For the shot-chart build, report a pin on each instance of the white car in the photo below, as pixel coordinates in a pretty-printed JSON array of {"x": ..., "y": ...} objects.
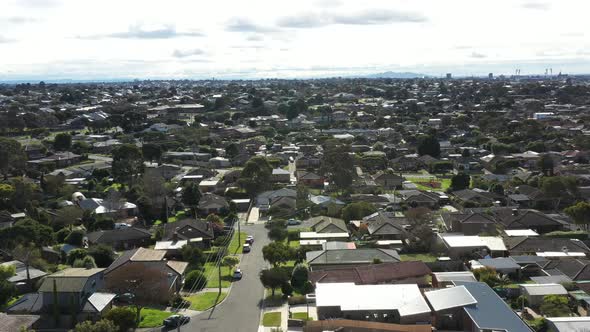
[
  {"x": 310, "y": 298},
  {"x": 121, "y": 225},
  {"x": 237, "y": 274},
  {"x": 250, "y": 239},
  {"x": 246, "y": 248}
]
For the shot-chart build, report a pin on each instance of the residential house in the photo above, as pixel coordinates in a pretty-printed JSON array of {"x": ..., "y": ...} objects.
[
  {"x": 392, "y": 303},
  {"x": 115, "y": 209},
  {"x": 280, "y": 175},
  {"x": 576, "y": 269},
  {"x": 388, "y": 180},
  {"x": 211, "y": 203},
  {"x": 23, "y": 275},
  {"x": 189, "y": 229},
  {"x": 384, "y": 225},
  {"x": 420, "y": 198},
  {"x": 325, "y": 259},
  {"x": 310, "y": 179},
  {"x": 534, "y": 293},
  {"x": 469, "y": 223},
  {"x": 535, "y": 198},
  {"x": 324, "y": 224},
  {"x": 308, "y": 162},
  {"x": 527, "y": 219},
  {"x": 567, "y": 324},
  {"x": 155, "y": 279},
  {"x": 121, "y": 239},
  {"x": 459, "y": 245},
  {"x": 546, "y": 247},
  {"x": 265, "y": 200},
  {"x": 385, "y": 273}
]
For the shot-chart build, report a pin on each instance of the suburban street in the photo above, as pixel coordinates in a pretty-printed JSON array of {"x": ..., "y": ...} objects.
[{"x": 241, "y": 309}]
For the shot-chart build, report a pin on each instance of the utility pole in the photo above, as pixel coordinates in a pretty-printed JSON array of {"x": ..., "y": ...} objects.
[
  {"x": 219, "y": 270},
  {"x": 239, "y": 233}
]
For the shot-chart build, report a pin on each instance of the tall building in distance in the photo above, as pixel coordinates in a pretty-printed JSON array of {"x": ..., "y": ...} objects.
[
  {"x": 449, "y": 76},
  {"x": 491, "y": 76}
]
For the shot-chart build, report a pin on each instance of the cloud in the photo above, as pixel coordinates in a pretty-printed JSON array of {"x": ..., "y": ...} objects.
[
  {"x": 187, "y": 53},
  {"x": 139, "y": 31},
  {"x": 477, "y": 55},
  {"x": 241, "y": 24},
  {"x": 255, "y": 38},
  {"x": 6, "y": 40},
  {"x": 367, "y": 17},
  {"x": 536, "y": 5},
  {"x": 39, "y": 3},
  {"x": 18, "y": 19}
]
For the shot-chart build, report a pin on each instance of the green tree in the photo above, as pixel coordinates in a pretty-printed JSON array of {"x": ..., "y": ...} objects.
[
  {"x": 487, "y": 275},
  {"x": 12, "y": 156},
  {"x": 300, "y": 275},
  {"x": 151, "y": 151},
  {"x": 546, "y": 164},
  {"x": 191, "y": 196},
  {"x": 125, "y": 318},
  {"x": 276, "y": 253},
  {"x": 580, "y": 213},
  {"x": 76, "y": 254},
  {"x": 7, "y": 289},
  {"x": 127, "y": 163},
  {"x": 555, "y": 306},
  {"x": 338, "y": 164},
  {"x": 357, "y": 210},
  {"x": 103, "y": 255},
  {"x": 230, "y": 261},
  {"x": 75, "y": 238},
  {"x": 195, "y": 281},
  {"x": 232, "y": 150},
  {"x": 273, "y": 278},
  {"x": 62, "y": 142},
  {"x": 193, "y": 255},
  {"x": 255, "y": 176},
  {"x": 103, "y": 325},
  {"x": 428, "y": 145},
  {"x": 460, "y": 181}
]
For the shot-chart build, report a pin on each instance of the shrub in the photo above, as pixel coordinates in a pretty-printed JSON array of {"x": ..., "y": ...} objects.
[
  {"x": 293, "y": 234},
  {"x": 297, "y": 299},
  {"x": 75, "y": 254},
  {"x": 300, "y": 275},
  {"x": 75, "y": 237},
  {"x": 195, "y": 281},
  {"x": 287, "y": 289},
  {"x": 123, "y": 317}
]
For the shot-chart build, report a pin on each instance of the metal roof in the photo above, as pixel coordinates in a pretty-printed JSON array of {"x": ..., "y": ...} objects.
[{"x": 448, "y": 298}]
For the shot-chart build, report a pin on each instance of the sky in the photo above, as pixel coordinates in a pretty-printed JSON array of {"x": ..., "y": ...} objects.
[{"x": 198, "y": 39}]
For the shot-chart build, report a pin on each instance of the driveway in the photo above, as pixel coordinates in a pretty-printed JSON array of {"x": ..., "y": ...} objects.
[{"x": 240, "y": 312}]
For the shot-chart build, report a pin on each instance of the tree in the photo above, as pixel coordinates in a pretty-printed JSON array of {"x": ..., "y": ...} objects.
[
  {"x": 277, "y": 233},
  {"x": 28, "y": 255},
  {"x": 255, "y": 176},
  {"x": 487, "y": 275},
  {"x": 546, "y": 164},
  {"x": 7, "y": 289},
  {"x": 127, "y": 163},
  {"x": 195, "y": 281},
  {"x": 230, "y": 261},
  {"x": 75, "y": 238},
  {"x": 460, "y": 181},
  {"x": 300, "y": 275},
  {"x": 193, "y": 255},
  {"x": 76, "y": 254},
  {"x": 103, "y": 325},
  {"x": 232, "y": 150},
  {"x": 357, "y": 210},
  {"x": 555, "y": 306},
  {"x": 124, "y": 317},
  {"x": 87, "y": 263},
  {"x": 273, "y": 279},
  {"x": 428, "y": 145},
  {"x": 191, "y": 196},
  {"x": 276, "y": 253},
  {"x": 62, "y": 142},
  {"x": 580, "y": 213},
  {"x": 12, "y": 156},
  {"x": 26, "y": 231},
  {"x": 338, "y": 164},
  {"x": 155, "y": 192},
  {"x": 151, "y": 151},
  {"x": 103, "y": 255}
]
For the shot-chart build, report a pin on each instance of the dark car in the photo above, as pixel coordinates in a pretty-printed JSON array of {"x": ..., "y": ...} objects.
[
  {"x": 176, "y": 320},
  {"x": 124, "y": 298}
]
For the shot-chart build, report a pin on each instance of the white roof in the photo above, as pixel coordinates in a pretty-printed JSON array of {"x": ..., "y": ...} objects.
[
  {"x": 209, "y": 183},
  {"x": 560, "y": 254},
  {"x": 100, "y": 300},
  {"x": 520, "y": 232},
  {"x": 448, "y": 298},
  {"x": 388, "y": 242},
  {"x": 314, "y": 235},
  {"x": 311, "y": 242},
  {"x": 405, "y": 298},
  {"x": 563, "y": 324},
  {"x": 494, "y": 243},
  {"x": 454, "y": 276},
  {"x": 462, "y": 241},
  {"x": 544, "y": 289},
  {"x": 170, "y": 245}
]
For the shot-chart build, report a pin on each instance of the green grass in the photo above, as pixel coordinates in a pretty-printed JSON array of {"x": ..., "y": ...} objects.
[
  {"x": 445, "y": 183},
  {"x": 418, "y": 257},
  {"x": 301, "y": 315},
  {"x": 294, "y": 244},
  {"x": 152, "y": 317},
  {"x": 206, "y": 300},
  {"x": 271, "y": 319},
  {"x": 235, "y": 246},
  {"x": 213, "y": 276}
]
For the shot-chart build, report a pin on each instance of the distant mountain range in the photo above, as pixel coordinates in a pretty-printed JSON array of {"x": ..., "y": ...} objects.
[{"x": 392, "y": 74}]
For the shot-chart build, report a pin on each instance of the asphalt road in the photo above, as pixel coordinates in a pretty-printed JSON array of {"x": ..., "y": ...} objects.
[{"x": 240, "y": 312}]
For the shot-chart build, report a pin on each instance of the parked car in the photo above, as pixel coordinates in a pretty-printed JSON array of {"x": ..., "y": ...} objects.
[
  {"x": 237, "y": 274},
  {"x": 124, "y": 298},
  {"x": 246, "y": 248},
  {"x": 292, "y": 222},
  {"x": 121, "y": 225},
  {"x": 250, "y": 239},
  {"x": 176, "y": 320}
]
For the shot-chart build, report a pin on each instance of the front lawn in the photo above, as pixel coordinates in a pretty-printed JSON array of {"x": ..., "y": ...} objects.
[
  {"x": 271, "y": 319},
  {"x": 418, "y": 257},
  {"x": 235, "y": 246},
  {"x": 213, "y": 275},
  {"x": 206, "y": 300},
  {"x": 152, "y": 317},
  {"x": 301, "y": 315}
]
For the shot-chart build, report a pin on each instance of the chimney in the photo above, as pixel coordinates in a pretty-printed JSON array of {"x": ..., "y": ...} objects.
[
  {"x": 175, "y": 236},
  {"x": 514, "y": 212},
  {"x": 207, "y": 229}
]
